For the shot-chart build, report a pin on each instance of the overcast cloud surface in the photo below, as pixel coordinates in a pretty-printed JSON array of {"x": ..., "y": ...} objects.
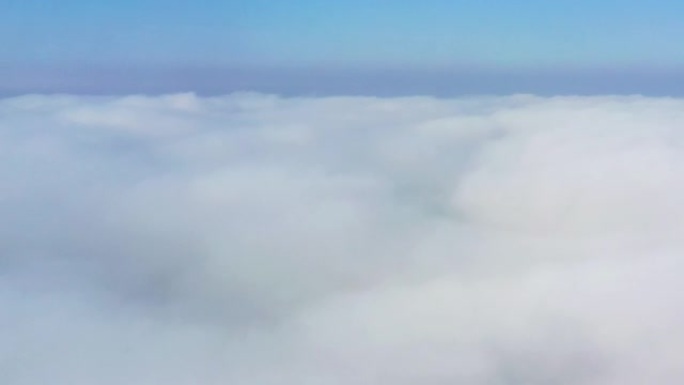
[{"x": 258, "y": 240}]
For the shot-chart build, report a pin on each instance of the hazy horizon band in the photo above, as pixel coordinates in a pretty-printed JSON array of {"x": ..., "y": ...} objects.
[{"x": 320, "y": 81}]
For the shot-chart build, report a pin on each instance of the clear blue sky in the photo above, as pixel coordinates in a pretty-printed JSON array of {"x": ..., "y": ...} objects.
[{"x": 417, "y": 34}]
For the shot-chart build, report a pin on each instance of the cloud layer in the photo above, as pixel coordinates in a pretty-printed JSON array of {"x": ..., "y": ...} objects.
[{"x": 256, "y": 240}]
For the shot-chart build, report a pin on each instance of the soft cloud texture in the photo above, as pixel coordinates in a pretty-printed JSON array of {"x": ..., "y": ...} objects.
[{"x": 258, "y": 240}]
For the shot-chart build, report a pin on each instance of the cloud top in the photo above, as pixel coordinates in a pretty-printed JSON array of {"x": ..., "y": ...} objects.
[{"x": 255, "y": 240}]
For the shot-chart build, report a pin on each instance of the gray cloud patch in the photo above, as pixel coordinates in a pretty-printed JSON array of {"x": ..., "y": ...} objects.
[{"x": 257, "y": 240}]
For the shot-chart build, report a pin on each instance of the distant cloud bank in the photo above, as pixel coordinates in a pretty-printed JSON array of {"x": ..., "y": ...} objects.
[{"x": 251, "y": 239}]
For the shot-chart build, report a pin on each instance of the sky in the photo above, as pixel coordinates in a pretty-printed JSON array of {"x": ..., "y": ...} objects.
[
  {"x": 352, "y": 192},
  {"x": 341, "y": 193},
  {"x": 337, "y": 40}
]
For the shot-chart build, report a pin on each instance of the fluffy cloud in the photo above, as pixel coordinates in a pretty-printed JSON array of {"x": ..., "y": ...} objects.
[{"x": 258, "y": 240}]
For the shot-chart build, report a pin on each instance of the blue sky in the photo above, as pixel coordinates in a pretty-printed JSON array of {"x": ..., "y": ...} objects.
[{"x": 349, "y": 34}]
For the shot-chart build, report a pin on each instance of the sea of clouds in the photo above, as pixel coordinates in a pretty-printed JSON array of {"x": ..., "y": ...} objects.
[{"x": 251, "y": 239}]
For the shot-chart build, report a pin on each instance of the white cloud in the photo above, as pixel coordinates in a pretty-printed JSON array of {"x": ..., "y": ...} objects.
[{"x": 257, "y": 240}]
